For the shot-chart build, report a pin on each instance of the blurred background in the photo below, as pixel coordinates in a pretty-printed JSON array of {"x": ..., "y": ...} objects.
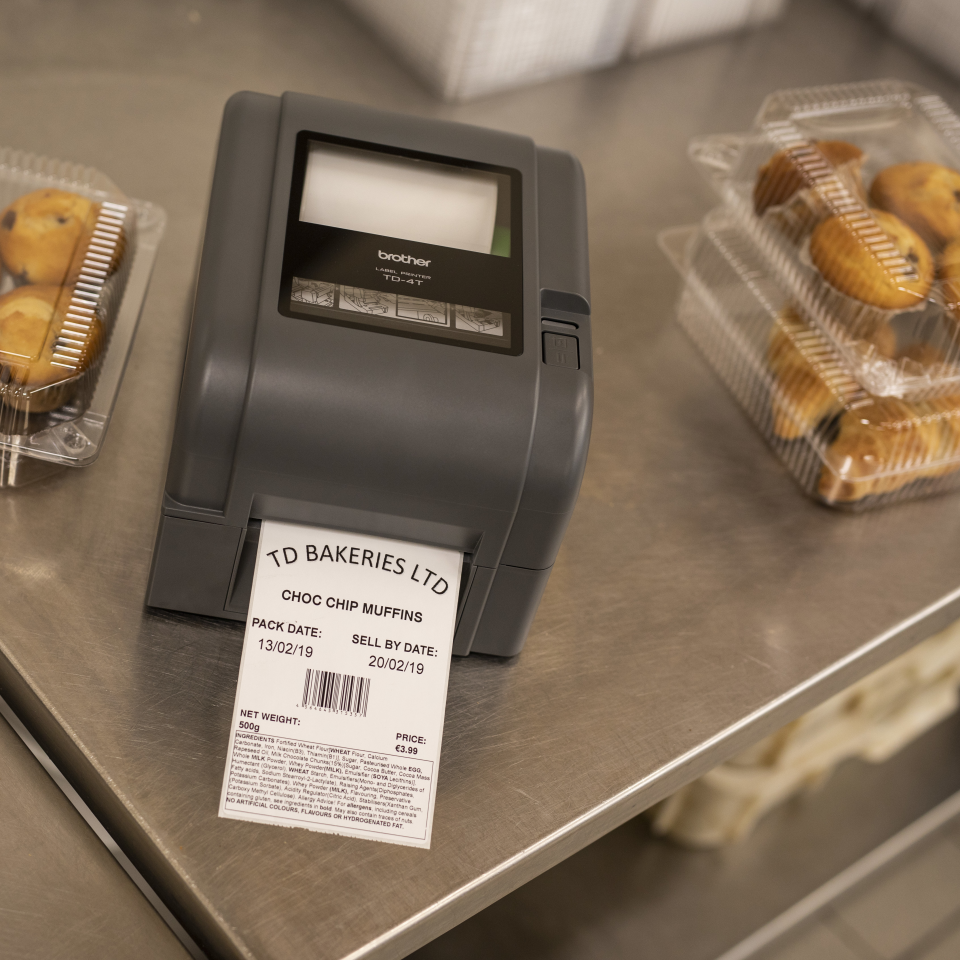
[{"x": 462, "y": 50}]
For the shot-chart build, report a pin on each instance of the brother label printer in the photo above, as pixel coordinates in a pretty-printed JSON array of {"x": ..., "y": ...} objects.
[{"x": 391, "y": 335}]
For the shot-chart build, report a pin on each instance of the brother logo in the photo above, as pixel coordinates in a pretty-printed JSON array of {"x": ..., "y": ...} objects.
[{"x": 403, "y": 258}]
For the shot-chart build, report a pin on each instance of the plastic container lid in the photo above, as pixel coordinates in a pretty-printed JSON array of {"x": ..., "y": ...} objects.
[
  {"x": 846, "y": 447},
  {"x": 76, "y": 258},
  {"x": 852, "y": 195}
]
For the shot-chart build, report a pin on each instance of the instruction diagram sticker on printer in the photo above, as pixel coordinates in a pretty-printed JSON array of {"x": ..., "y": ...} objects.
[
  {"x": 476, "y": 320},
  {"x": 315, "y": 292},
  {"x": 368, "y": 301},
  {"x": 424, "y": 311},
  {"x": 343, "y": 684}
]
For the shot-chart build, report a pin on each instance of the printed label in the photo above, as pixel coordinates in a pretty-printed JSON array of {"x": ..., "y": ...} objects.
[{"x": 343, "y": 684}]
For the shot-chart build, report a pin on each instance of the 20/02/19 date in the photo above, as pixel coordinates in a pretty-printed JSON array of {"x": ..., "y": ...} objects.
[
  {"x": 285, "y": 647},
  {"x": 392, "y": 663}
]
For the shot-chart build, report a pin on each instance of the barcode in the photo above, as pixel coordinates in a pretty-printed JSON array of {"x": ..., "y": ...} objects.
[{"x": 337, "y": 692}]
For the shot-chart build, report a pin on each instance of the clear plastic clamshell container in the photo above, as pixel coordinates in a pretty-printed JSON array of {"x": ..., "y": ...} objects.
[
  {"x": 852, "y": 196},
  {"x": 75, "y": 261},
  {"x": 845, "y": 446}
]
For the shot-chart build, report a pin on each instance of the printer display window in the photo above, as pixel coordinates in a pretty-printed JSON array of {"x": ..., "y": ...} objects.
[
  {"x": 446, "y": 204},
  {"x": 405, "y": 243},
  {"x": 326, "y": 299}
]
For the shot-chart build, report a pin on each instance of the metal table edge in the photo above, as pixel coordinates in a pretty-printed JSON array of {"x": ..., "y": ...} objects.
[
  {"x": 573, "y": 836},
  {"x": 182, "y": 897},
  {"x": 216, "y": 936}
]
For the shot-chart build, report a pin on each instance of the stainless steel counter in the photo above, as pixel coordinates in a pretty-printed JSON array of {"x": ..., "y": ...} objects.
[
  {"x": 633, "y": 895},
  {"x": 62, "y": 896},
  {"x": 698, "y": 602}
]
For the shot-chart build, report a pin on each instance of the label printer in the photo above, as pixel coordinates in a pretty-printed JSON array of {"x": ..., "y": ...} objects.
[{"x": 391, "y": 335}]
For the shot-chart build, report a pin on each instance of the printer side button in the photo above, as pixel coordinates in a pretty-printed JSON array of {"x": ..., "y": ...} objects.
[{"x": 560, "y": 350}]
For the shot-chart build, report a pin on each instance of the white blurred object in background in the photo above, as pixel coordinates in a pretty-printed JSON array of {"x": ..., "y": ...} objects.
[
  {"x": 932, "y": 26},
  {"x": 467, "y": 48},
  {"x": 666, "y": 23},
  {"x": 872, "y": 719}
]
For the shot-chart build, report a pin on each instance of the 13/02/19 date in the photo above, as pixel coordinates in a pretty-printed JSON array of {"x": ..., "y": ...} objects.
[
  {"x": 392, "y": 663},
  {"x": 283, "y": 646}
]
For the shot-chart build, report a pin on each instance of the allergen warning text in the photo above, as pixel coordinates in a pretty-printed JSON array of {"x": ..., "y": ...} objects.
[{"x": 315, "y": 782}]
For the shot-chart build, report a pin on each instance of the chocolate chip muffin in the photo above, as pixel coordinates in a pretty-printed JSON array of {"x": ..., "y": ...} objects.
[
  {"x": 880, "y": 446},
  {"x": 924, "y": 195},
  {"x": 799, "y": 396},
  {"x": 44, "y": 234},
  {"x": 949, "y": 272},
  {"x": 802, "y": 166},
  {"x": 33, "y": 325},
  {"x": 873, "y": 257}
]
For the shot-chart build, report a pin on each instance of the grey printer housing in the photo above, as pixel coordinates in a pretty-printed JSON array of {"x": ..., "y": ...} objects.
[{"x": 309, "y": 422}]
